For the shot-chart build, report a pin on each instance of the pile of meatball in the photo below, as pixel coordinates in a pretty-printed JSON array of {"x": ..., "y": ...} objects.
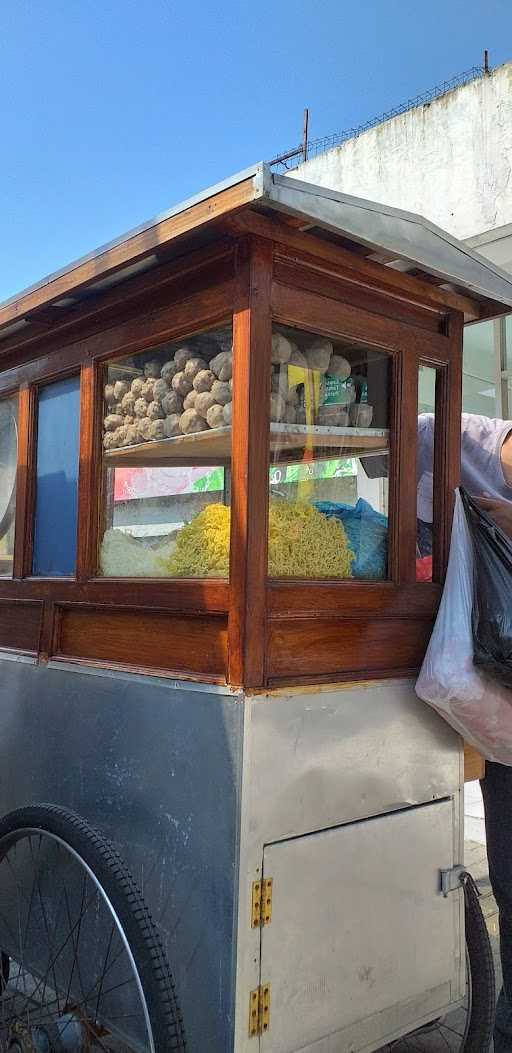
[
  {"x": 187, "y": 394},
  {"x": 192, "y": 392}
]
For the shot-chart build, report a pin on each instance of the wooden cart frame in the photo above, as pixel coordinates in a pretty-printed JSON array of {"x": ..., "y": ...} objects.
[{"x": 244, "y": 251}]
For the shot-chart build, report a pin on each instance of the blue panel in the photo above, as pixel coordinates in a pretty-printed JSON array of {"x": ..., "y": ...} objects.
[{"x": 58, "y": 427}]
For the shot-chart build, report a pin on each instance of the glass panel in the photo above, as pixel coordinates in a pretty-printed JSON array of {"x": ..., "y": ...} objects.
[
  {"x": 167, "y": 455},
  {"x": 329, "y": 437},
  {"x": 58, "y": 429},
  {"x": 479, "y": 370},
  {"x": 8, "y": 466},
  {"x": 425, "y": 471}
]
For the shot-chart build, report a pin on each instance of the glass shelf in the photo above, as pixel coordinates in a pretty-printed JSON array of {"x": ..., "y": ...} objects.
[{"x": 287, "y": 442}]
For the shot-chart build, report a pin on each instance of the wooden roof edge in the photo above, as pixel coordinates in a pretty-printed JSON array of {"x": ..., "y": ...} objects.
[{"x": 131, "y": 250}]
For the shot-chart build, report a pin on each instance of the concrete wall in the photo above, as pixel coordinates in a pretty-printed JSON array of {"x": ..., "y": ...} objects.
[{"x": 449, "y": 160}]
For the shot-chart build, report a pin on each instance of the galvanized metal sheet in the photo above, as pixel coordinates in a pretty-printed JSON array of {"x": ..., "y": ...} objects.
[
  {"x": 359, "y": 925},
  {"x": 320, "y": 758},
  {"x": 407, "y": 236},
  {"x": 156, "y": 766},
  {"x": 317, "y": 758}
]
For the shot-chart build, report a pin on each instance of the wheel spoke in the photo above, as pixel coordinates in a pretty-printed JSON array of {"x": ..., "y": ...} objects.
[
  {"x": 54, "y": 960},
  {"x": 70, "y": 964},
  {"x": 75, "y": 947},
  {"x": 104, "y": 973}
]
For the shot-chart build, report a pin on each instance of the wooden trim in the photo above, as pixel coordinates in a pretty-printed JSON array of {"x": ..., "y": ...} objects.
[
  {"x": 252, "y": 337},
  {"x": 351, "y": 599},
  {"x": 25, "y": 482},
  {"x": 43, "y": 370},
  {"x": 171, "y": 322},
  {"x": 145, "y": 327},
  {"x": 142, "y": 639},
  {"x": 406, "y": 436},
  {"x": 130, "y": 251},
  {"x": 333, "y": 646},
  {"x": 137, "y": 670},
  {"x": 89, "y": 468},
  {"x": 387, "y": 279},
  {"x": 314, "y": 278},
  {"x": 49, "y": 629},
  {"x": 324, "y": 315},
  {"x": 20, "y": 625},
  {"x": 175, "y": 280},
  {"x": 367, "y": 676},
  {"x": 170, "y": 594}
]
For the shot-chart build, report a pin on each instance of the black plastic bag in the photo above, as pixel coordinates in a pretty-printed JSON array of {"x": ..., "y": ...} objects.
[{"x": 492, "y": 594}]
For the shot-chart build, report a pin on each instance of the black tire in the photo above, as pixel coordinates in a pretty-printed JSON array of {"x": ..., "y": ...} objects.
[
  {"x": 481, "y": 967},
  {"x": 139, "y": 929}
]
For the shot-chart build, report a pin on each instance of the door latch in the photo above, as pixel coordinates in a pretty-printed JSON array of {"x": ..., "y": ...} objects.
[{"x": 451, "y": 879}]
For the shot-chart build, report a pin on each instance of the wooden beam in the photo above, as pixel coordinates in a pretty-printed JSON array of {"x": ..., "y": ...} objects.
[
  {"x": 396, "y": 282},
  {"x": 182, "y": 274},
  {"x": 252, "y": 340},
  {"x": 25, "y": 482}
]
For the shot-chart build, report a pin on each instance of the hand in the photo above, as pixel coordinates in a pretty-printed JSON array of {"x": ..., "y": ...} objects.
[{"x": 500, "y": 511}]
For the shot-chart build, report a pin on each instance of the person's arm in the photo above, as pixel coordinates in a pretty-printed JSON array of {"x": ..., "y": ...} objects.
[{"x": 500, "y": 511}]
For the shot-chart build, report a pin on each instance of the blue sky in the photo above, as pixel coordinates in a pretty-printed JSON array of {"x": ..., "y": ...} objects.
[{"x": 113, "y": 110}]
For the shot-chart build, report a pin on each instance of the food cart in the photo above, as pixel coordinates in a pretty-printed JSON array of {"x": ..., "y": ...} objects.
[{"x": 212, "y": 612}]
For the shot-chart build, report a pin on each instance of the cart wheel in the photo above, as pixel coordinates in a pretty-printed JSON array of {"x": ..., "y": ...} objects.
[
  {"x": 469, "y": 1028},
  {"x": 86, "y": 969}
]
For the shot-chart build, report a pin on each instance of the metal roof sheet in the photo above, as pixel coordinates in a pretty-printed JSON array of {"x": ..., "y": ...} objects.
[{"x": 407, "y": 241}]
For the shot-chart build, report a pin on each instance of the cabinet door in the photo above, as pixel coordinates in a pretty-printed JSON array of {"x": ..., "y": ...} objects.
[{"x": 362, "y": 943}]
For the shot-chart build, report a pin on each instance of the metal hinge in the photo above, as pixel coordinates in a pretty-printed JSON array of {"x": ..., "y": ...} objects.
[
  {"x": 261, "y": 906},
  {"x": 259, "y": 1011},
  {"x": 451, "y": 879}
]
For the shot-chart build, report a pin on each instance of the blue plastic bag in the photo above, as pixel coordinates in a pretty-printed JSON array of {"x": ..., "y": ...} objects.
[{"x": 367, "y": 535}]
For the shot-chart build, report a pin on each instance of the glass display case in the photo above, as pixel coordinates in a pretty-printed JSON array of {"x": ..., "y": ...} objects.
[
  {"x": 167, "y": 415},
  {"x": 246, "y": 438},
  {"x": 329, "y": 427}
]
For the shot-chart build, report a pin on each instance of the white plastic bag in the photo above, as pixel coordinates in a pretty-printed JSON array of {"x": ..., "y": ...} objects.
[{"x": 478, "y": 708}]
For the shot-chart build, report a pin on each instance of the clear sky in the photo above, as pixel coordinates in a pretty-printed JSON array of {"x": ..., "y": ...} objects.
[{"x": 113, "y": 110}]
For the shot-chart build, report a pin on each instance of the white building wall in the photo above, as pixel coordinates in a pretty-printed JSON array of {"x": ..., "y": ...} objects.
[{"x": 449, "y": 160}]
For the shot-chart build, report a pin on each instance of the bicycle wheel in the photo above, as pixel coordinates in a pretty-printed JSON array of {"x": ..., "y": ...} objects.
[
  {"x": 469, "y": 1028},
  {"x": 86, "y": 969}
]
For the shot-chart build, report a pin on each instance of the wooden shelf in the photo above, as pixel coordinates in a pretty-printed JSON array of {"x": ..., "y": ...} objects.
[{"x": 287, "y": 442}]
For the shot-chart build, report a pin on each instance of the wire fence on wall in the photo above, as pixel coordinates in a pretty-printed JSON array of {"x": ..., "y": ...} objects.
[{"x": 312, "y": 147}]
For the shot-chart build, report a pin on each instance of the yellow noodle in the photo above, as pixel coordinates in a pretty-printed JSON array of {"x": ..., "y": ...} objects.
[{"x": 303, "y": 543}]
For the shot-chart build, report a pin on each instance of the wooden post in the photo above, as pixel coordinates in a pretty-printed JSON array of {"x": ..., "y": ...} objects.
[
  {"x": 25, "y": 482},
  {"x": 252, "y": 339},
  {"x": 89, "y": 474}
]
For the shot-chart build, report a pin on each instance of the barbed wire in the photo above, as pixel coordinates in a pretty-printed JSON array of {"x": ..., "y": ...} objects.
[{"x": 328, "y": 142}]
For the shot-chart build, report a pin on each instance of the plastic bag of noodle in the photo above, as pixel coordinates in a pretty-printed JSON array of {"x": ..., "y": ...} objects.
[
  {"x": 477, "y": 707},
  {"x": 367, "y": 534},
  {"x": 492, "y": 594}
]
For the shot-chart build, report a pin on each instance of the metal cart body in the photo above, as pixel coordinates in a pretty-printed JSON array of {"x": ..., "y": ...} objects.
[{"x": 347, "y": 798}]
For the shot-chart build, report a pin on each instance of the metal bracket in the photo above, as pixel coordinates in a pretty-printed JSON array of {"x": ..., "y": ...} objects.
[
  {"x": 451, "y": 879},
  {"x": 259, "y": 1011},
  {"x": 261, "y": 903}
]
